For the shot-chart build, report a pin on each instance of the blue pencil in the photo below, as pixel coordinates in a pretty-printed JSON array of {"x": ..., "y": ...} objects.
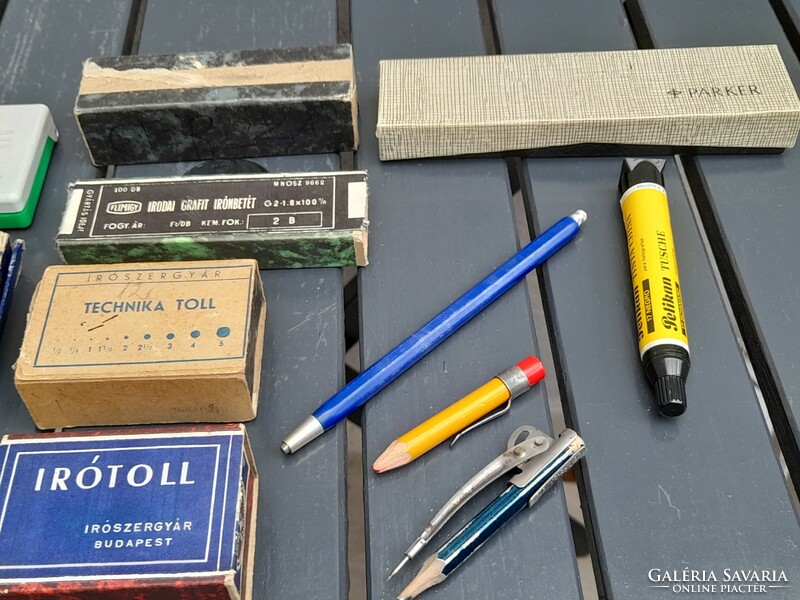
[
  {"x": 433, "y": 333},
  {"x": 10, "y": 275}
]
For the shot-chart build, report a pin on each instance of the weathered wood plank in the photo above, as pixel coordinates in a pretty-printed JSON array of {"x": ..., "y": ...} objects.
[
  {"x": 437, "y": 228},
  {"x": 43, "y": 43},
  {"x": 661, "y": 493},
  {"x": 302, "y": 524},
  {"x": 751, "y": 206}
]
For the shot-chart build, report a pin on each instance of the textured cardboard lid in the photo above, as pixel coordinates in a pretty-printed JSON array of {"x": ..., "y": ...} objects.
[{"x": 736, "y": 96}]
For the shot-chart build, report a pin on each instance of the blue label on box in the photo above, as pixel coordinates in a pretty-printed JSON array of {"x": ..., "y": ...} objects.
[{"x": 119, "y": 504}]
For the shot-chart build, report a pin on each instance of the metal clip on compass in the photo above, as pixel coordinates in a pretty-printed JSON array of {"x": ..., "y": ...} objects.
[{"x": 541, "y": 460}]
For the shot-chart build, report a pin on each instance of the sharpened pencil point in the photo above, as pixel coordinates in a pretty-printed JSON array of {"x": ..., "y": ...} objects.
[
  {"x": 396, "y": 455},
  {"x": 430, "y": 574},
  {"x": 398, "y": 567}
]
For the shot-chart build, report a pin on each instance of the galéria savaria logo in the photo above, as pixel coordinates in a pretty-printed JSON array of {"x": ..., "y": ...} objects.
[{"x": 726, "y": 581}]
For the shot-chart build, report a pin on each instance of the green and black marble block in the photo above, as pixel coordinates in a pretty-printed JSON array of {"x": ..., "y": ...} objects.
[
  {"x": 218, "y": 105},
  {"x": 284, "y": 221}
]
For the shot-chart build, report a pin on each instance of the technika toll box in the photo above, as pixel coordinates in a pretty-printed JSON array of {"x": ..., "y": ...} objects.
[
  {"x": 149, "y": 514},
  {"x": 144, "y": 343},
  {"x": 217, "y": 105},
  {"x": 284, "y": 221}
]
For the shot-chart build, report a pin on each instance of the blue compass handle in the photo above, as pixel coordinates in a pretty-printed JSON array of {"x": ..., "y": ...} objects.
[
  {"x": 484, "y": 525},
  {"x": 546, "y": 469}
]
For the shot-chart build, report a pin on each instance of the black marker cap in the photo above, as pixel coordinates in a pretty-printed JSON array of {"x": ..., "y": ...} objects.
[
  {"x": 671, "y": 395},
  {"x": 666, "y": 367}
]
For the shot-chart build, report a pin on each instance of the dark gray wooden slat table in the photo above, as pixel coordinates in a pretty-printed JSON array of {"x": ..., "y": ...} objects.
[
  {"x": 415, "y": 193},
  {"x": 301, "y": 541},
  {"x": 43, "y": 43},
  {"x": 437, "y": 227},
  {"x": 668, "y": 494},
  {"x": 754, "y": 200},
  {"x": 788, "y": 12}
]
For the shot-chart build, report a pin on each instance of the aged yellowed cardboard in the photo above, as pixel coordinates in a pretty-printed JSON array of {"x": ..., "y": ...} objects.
[{"x": 144, "y": 343}]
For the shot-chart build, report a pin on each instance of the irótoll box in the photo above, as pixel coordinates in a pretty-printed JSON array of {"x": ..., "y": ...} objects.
[
  {"x": 148, "y": 514},
  {"x": 285, "y": 221},
  {"x": 144, "y": 343}
]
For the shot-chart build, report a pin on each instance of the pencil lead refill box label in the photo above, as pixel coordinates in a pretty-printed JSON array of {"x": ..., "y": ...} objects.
[
  {"x": 144, "y": 343},
  {"x": 128, "y": 515},
  {"x": 217, "y": 105},
  {"x": 688, "y": 100},
  {"x": 284, "y": 221}
]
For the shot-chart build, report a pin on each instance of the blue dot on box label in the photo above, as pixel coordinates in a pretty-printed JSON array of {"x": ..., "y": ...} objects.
[
  {"x": 170, "y": 336},
  {"x": 223, "y": 332},
  {"x": 126, "y": 337},
  {"x": 147, "y": 336},
  {"x": 195, "y": 334}
]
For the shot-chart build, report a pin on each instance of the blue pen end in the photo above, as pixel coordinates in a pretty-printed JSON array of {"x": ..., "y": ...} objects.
[{"x": 579, "y": 216}]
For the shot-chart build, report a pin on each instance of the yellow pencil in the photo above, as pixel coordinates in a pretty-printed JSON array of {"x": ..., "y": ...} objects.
[{"x": 505, "y": 387}]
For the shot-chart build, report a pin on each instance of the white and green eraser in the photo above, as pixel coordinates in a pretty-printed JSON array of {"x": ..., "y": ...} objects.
[{"x": 27, "y": 137}]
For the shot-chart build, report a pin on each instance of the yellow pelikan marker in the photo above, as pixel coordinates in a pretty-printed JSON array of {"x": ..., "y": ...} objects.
[
  {"x": 657, "y": 292},
  {"x": 458, "y": 417}
]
